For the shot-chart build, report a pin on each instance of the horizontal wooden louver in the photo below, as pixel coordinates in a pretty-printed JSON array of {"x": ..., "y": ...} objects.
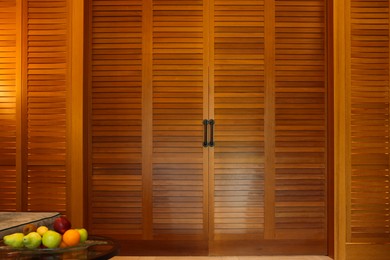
[
  {"x": 47, "y": 82},
  {"x": 300, "y": 120},
  {"x": 239, "y": 118},
  {"x": 115, "y": 195},
  {"x": 178, "y": 74},
  {"x": 369, "y": 181},
  {"x": 8, "y": 105}
]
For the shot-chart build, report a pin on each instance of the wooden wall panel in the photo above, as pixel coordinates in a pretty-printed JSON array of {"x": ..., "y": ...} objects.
[
  {"x": 238, "y": 73},
  {"x": 46, "y": 105},
  {"x": 368, "y": 218},
  {"x": 300, "y": 119},
  {"x": 35, "y": 136},
  {"x": 8, "y": 124},
  {"x": 178, "y": 156},
  {"x": 362, "y": 129},
  {"x": 115, "y": 181}
]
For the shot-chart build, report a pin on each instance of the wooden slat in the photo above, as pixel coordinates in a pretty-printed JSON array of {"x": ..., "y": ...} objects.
[
  {"x": 300, "y": 118},
  {"x": 178, "y": 68},
  {"x": 46, "y": 105},
  {"x": 369, "y": 181},
  {"x": 239, "y": 116},
  {"x": 115, "y": 197},
  {"x": 8, "y": 72}
]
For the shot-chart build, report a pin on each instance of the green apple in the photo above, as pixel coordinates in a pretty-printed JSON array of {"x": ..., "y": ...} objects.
[
  {"x": 51, "y": 239},
  {"x": 83, "y": 234},
  {"x": 32, "y": 240},
  {"x": 14, "y": 240}
]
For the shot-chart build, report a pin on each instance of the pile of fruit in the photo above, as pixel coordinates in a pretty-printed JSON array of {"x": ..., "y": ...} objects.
[{"x": 33, "y": 237}]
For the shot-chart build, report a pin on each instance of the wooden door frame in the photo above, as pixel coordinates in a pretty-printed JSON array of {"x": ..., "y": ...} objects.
[
  {"x": 330, "y": 127},
  {"x": 76, "y": 119},
  {"x": 339, "y": 128}
]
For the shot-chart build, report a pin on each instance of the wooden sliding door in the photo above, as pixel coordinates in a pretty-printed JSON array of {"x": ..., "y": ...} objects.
[
  {"x": 301, "y": 120},
  {"x": 115, "y": 194},
  {"x": 46, "y": 88},
  {"x": 147, "y": 163},
  {"x": 157, "y": 70},
  {"x": 269, "y": 179},
  {"x": 237, "y": 178},
  {"x": 179, "y": 78}
]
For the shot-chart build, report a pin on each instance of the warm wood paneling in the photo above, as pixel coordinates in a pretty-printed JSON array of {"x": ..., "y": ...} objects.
[
  {"x": 115, "y": 105},
  {"x": 238, "y": 73},
  {"x": 8, "y": 103},
  {"x": 271, "y": 124},
  {"x": 369, "y": 122},
  {"x": 115, "y": 204},
  {"x": 36, "y": 107},
  {"x": 300, "y": 119},
  {"x": 47, "y": 72},
  {"x": 361, "y": 129},
  {"x": 115, "y": 147},
  {"x": 178, "y": 155},
  {"x": 157, "y": 70}
]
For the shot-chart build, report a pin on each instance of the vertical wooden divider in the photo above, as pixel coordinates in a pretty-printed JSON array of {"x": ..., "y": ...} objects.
[
  {"x": 75, "y": 114},
  {"x": 88, "y": 104},
  {"x": 23, "y": 105},
  {"x": 347, "y": 119},
  {"x": 147, "y": 118},
  {"x": 69, "y": 110},
  {"x": 208, "y": 112},
  {"x": 269, "y": 128},
  {"x": 330, "y": 127},
  {"x": 339, "y": 128},
  {"x": 18, "y": 83}
]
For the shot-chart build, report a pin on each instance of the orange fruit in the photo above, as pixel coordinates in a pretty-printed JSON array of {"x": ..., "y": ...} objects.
[
  {"x": 63, "y": 245},
  {"x": 71, "y": 237}
]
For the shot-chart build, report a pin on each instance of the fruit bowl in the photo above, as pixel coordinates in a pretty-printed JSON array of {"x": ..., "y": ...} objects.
[{"x": 87, "y": 250}]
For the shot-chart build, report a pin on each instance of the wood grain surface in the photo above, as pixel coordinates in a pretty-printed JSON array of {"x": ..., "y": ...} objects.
[{"x": 157, "y": 69}]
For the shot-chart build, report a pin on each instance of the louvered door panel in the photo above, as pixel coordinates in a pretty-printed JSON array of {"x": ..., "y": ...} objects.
[
  {"x": 47, "y": 90},
  {"x": 178, "y": 155},
  {"x": 115, "y": 125},
  {"x": 8, "y": 105},
  {"x": 368, "y": 218},
  {"x": 300, "y": 120},
  {"x": 189, "y": 60},
  {"x": 238, "y": 71}
]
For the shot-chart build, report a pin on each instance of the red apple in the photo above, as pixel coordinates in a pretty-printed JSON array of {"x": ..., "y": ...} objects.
[{"x": 61, "y": 224}]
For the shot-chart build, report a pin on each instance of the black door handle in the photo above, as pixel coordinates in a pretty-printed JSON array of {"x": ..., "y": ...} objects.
[
  {"x": 212, "y": 123},
  {"x": 205, "y": 123}
]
